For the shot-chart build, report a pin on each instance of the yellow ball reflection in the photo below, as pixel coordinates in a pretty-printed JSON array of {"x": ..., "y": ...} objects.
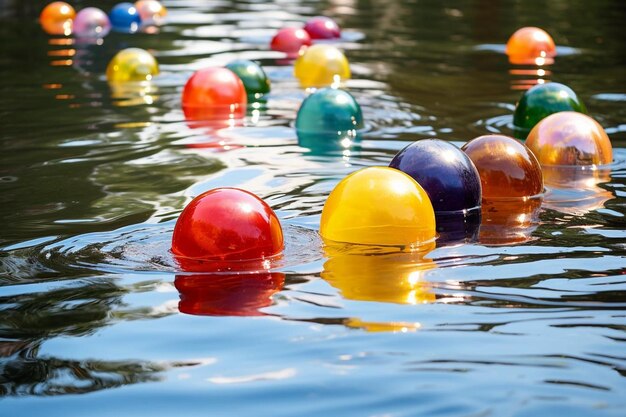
[
  {"x": 378, "y": 206},
  {"x": 389, "y": 277},
  {"x": 132, "y": 65},
  {"x": 321, "y": 66}
]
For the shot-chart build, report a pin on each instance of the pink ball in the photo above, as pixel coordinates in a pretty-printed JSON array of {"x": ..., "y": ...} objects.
[
  {"x": 91, "y": 22},
  {"x": 322, "y": 27}
]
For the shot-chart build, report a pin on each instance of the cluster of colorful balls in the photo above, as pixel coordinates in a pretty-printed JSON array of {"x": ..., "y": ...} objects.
[
  {"x": 60, "y": 18},
  {"x": 430, "y": 190}
]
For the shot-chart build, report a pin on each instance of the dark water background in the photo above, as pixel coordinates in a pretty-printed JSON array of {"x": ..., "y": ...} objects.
[{"x": 92, "y": 180}]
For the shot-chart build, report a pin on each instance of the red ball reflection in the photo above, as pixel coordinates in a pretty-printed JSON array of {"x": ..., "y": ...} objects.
[
  {"x": 290, "y": 41},
  {"x": 322, "y": 27},
  {"x": 223, "y": 226},
  {"x": 228, "y": 294},
  {"x": 214, "y": 94}
]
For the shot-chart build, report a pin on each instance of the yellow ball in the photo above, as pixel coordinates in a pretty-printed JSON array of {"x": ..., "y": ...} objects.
[
  {"x": 132, "y": 64},
  {"x": 321, "y": 66},
  {"x": 378, "y": 206}
]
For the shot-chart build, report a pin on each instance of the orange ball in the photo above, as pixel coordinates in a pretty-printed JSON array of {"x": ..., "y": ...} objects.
[
  {"x": 507, "y": 168},
  {"x": 570, "y": 138},
  {"x": 214, "y": 94},
  {"x": 56, "y": 18},
  {"x": 531, "y": 45}
]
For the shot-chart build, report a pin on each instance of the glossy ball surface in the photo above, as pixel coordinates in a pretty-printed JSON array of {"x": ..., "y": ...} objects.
[
  {"x": 132, "y": 64},
  {"x": 125, "y": 17},
  {"x": 444, "y": 171},
  {"x": 214, "y": 94},
  {"x": 227, "y": 224},
  {"x": 507, "y": 168},
  {"x": 329, "y": 114},
  {"x": 570, "y": 138},
  {"x": 150, "y": 11},
  {"x": 56, "y": 18},
  {"x": 378, "y": 206},
  {"x": 291, "y": 41},
  {"x": 321, "y": 66},
  {"x": 452, "y": 182},
  {"x": 543, "y": 100},
  {"x": 227, "y": 294},
  {"x": 253, "y": 77},
  {"x": 322, "y": 27},
  {"x": 531, "y": 45},
  {"x": 91, "y": 22}
]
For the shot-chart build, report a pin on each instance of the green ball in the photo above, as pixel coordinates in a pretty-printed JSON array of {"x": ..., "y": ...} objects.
[
  {"x": 543, "y": 100},
  {"x": 253, "y": 77}
]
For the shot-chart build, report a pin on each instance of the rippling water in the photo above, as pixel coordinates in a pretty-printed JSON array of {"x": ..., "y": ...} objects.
[{"x": 521, "y": 322}]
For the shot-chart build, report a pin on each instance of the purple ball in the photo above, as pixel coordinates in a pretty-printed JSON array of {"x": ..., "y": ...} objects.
[
  {"x": 91, "y": 22},
  {"x": 451, "y": 181}
]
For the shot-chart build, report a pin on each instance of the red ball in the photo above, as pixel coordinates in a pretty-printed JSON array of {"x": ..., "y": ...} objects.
[
  {"x": 214, "y": 94},
  {"x": 227, "y": 294},
  {"x": 322, "y": 27},
  {"x": 225, "y": 225},
  {"x": 290, "y": 40}
]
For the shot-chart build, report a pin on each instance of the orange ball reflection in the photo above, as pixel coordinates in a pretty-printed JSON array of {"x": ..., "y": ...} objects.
[
  {"x": 574, "y": 189},
  {"x": 56, "y": 18},
  {"x": 506, "y": 222},
  {"x": 507, "y": 168},
  {"x": 387, "y": 277},
  {"x": 570, "y": 138},
  {"x": 227, "y": 294},
  {"x": 531, "y": 46}
]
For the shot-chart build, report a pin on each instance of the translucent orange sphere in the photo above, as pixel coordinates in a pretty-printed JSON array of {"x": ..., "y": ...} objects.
[
  {"x": 570, "y": 138},
  {"x": 56, "y": 18},
  {"x": 507, "y": 168},
  {"x": 531, "y": 45},
  {"x": 214, "y": 94}
]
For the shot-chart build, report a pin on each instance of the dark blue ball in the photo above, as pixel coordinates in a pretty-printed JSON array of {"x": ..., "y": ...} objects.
[
  {"x": 451, "y": 181},
  {"x": 125, "y": 17}
]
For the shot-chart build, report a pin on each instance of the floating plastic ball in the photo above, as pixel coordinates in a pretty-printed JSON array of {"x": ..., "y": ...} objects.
[
  {"x": 132, "y": 64},
  {"x": 570, "y": 138},
  {"x": 531, "y": 45},
  {"x": 56, "y": 18},
  {"x": 291, "y": 41},
  {"x": 321, "y": 66},
  {"x": 378, "y": 206},
  {"x": 389, "y": 278},
  {"x": 125, "y": 17},
  {"x": 214, "y": 94},
  {"x": 322, "y": 27},
  {"x": 91, "y": 22},
  {"x": 253, "y": 77},
  {"x": 449, "y": 177},
  {"x": 225, "y": 225},
  {"x": 227, "y": 294},
  {"x": 507, "y": 168},
  {"x": 543, "y": 100},
  {"x": 329, "y": 118},
  {"x": 150, "y": 11}
]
